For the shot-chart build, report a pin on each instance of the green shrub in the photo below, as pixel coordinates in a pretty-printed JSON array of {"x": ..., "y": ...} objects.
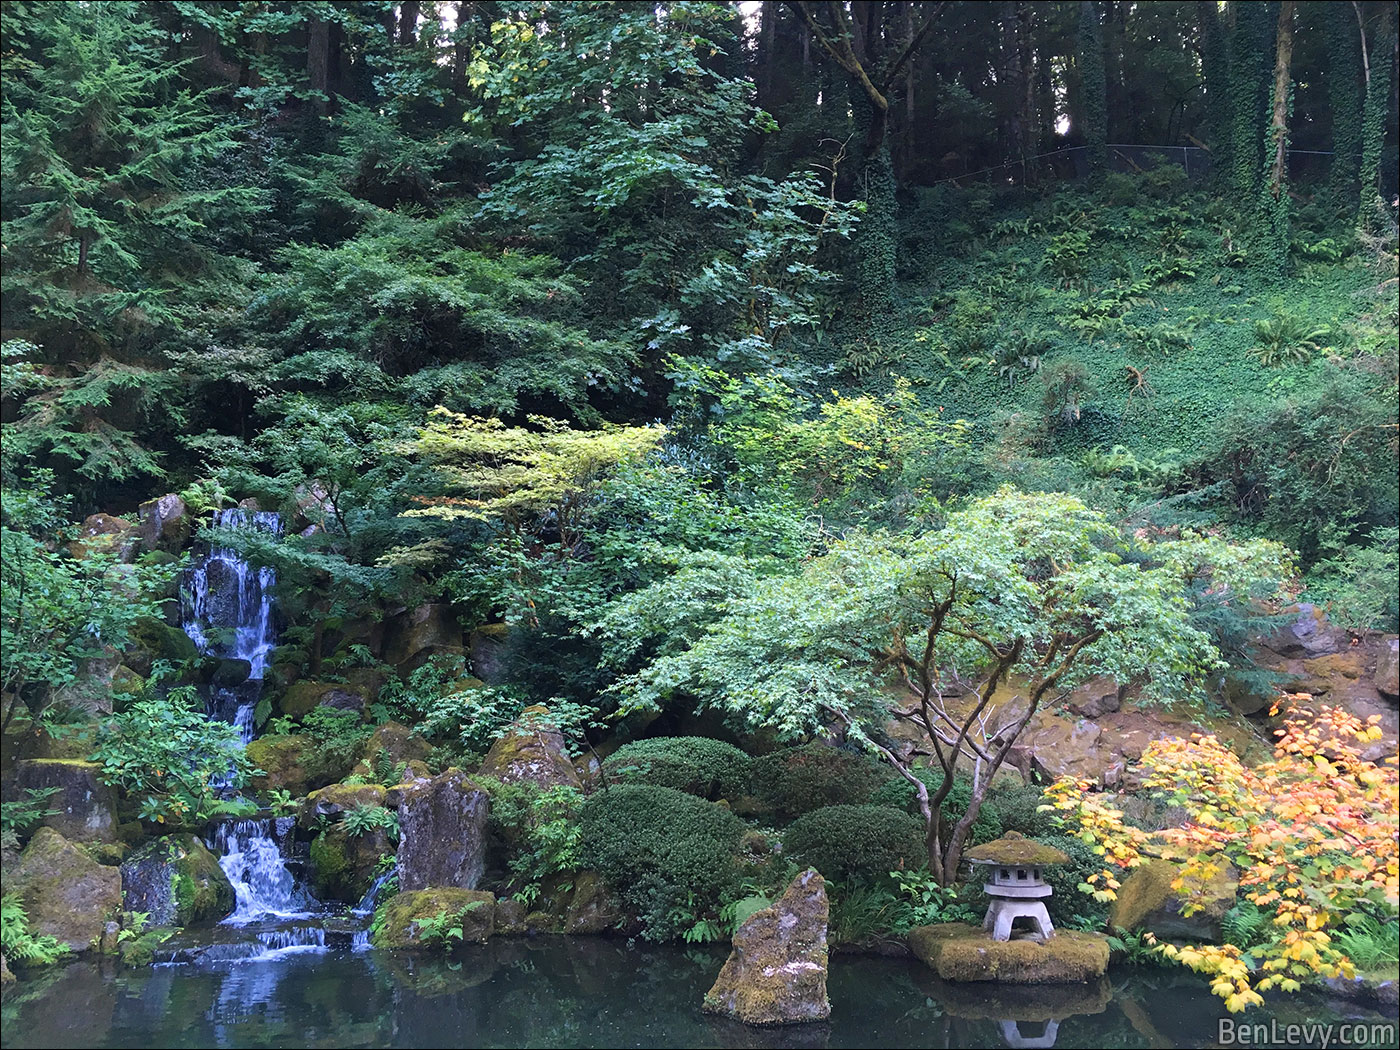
[
  {"x": 1069, "y": 906},
  {"x": 797, "y": 780},
  {"x": 671, "y": 856},
  {"x": 900, "y": 794},
  {"x": 694, "y": 764},
  {"x": 856, "y": 843},
  {"x": 1018, "y": 808}
]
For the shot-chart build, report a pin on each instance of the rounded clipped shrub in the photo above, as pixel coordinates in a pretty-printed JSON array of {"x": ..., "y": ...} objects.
[
  {"x": 1018, "y": 807},
  {"x": 696, "y": 765},
  {"x": 901, "y": 794},
  {"x": 797, "y": 780},
  {"x": 856, "y": 843},
  {"x": 669, "y": 855}
]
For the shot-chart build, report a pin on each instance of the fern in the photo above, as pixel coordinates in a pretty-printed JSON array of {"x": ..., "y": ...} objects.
[
  {"x": 1287, "y": 339},
  {"x": 19, "y": 944},
  {"x": 1244, "y": 925}
]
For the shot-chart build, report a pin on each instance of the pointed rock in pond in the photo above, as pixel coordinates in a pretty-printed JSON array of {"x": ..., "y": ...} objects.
[{"x": 776, "y": 973}]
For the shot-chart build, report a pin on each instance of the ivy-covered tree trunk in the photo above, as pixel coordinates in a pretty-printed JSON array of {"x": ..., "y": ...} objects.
[
  {"x": 1344, "y": 95},
  {"x": 1095, "y": 86},
  {"x": 1372, "y": 213},
  {"x": 1273, "y": 200},
  {"x": 1215, "y": 71},
  {"x": 1250, "y": 37}
]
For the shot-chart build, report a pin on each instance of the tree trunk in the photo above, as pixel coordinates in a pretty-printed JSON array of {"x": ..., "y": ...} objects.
[
  {"x": 1372, "y": 212},
  {"x": 1344, "y": 95},
  {"x": 1215, "y": 71},
  {"x": 1094, "y": 87},
  {"x": 408, "y": 23},
  {"x": 1278, "y": 124},
  {"x": 318, "y": 44}
]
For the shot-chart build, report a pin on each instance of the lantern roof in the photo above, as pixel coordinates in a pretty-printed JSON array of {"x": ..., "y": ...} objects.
[{"x": 1015, "y": 848}]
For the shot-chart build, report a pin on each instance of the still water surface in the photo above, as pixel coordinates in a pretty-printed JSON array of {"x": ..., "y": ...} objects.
[{"x": 558, "y": 992}]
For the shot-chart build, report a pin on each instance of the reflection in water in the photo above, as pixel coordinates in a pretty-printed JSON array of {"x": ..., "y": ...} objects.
[{"x": 551, "y": 991}]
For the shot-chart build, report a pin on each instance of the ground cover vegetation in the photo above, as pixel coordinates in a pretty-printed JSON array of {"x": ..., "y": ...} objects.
[{"x": 802, "y": 402}]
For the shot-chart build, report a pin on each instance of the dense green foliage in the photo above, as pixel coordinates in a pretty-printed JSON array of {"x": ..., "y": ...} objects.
[
  {"x": 855, "y": 843},
  {"x": 670, "y": 855},
  {"x": 848, "y": 382},
  {"x": 711, "y": 769}
]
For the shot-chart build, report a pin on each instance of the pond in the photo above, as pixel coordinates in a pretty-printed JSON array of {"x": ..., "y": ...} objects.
[{"x": 574, "y": 992}]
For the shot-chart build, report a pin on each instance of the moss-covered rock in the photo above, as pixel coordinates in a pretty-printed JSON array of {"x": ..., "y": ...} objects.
[
  {"x": 303, "y": 695},
  {"x": 442, "y": 832},
  {"x": 66, "y": 893},
  {"x": 390, "y": 746},
  {"x": 510, "y": 918},
  {"x": 104, "y": 534},
  {"x": 330, "y": 802},
  {"x": 283, "y": 762},
  {"x": 399, "y": 921},
  {"x": 1146, "y": 900},
  {"x": 343, "y": 866},
  {"x": 416, "y": 630},
  {"x": 958, "y": 952},
  {"x": 1387, "y": 675},
  {"x": 177, "y": 881},
  {"x": 592, "y": 907},
  {"x": 165, "y": 523},
  {"x": 153, "y": 639},
  {"x": 776, "y": 973},
  {"x": 531, "y": 750},
  {"x": 487, "y": 645},
  {"x": 81, "y": 808}
]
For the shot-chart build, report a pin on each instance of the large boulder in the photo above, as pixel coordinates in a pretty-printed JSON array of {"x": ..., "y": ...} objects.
[
  {"x": 66, "y": 893},
  {"x": 400, "y": 923},
  {"x": 104, "y": 534},
  {"x": 442, "y": 832},
  {"x": 330, "y": 803},
  {"x": 532, "y": 750},
  {"x": 282, "y": 760},
  {"x": 487, "y": 645},
  {"x": 390, "y": 747},
  {"x": 165, "y": 523},
  {"x": 177, "y": 881},
  {"x": 80, "y": 807},
  {"x": 1332, "y": 673},
  {"x": 1095, "y": 698},
  {"x": 1387, "y": 677},
  {"x": 1307, "y": 636},
  {"x": 153, "y": 639},
  {"x": 343, "y": 866},
  {"x": 592, "y": 906},
  {"x": 776, "y": 973},
  {"x": 1146, "y": 900},
  {"x": 305, "y": 695},
  {"x": 428, "y": 627}
]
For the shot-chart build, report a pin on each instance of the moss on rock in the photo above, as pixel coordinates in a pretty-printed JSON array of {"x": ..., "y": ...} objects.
[
  {"x": 1146, "y": 900},
  {"x": 398, "y": 923},
  {"x": 531, "y": 750},
  {"x": 958, "y": 952},
  {"x": 328, "y": 803},
  {"x": 343, "y": 866},
  {"x": 177, "y": 881},
  {"x": 81, "y": 807},
  {"x": 283, "y": 762},
  {"x": 66, "y": 893}
]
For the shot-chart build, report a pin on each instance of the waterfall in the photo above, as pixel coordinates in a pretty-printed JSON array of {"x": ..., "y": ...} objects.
[
  {"x": 253, "y": 856},
  {"x": 371, "y": 898},
  {"x": 226, "y": 609}
]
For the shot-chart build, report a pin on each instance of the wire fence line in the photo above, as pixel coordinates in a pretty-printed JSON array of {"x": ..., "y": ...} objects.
[{"x": 1071, "y": 162}]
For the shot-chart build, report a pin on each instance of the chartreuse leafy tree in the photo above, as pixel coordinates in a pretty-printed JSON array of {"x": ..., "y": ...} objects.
[
  {"x": 1017, "y": 598},
  {"x": 111, "y": 226},
  {"x": 1312, "y": 831}
]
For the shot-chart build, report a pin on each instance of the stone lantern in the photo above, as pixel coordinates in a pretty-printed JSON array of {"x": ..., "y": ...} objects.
[{"x": 1015, "y": 885}]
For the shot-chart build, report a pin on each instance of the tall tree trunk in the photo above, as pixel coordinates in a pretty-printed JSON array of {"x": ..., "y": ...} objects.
[
  {"x": 1095, "y": 90},
  {"x": 1250, "y": 37},
  {"x": 766, "y": 53},
  {"x": 1274, "y": 224},
  {"x": 1344, "y": 95},
  {"x": 1278, "y": 122},
  {"x": 1215, "y": 71},
  {"x": 408, "y": 23},
  {"x": 318, "y": 41},
  {"x": 1372, "y": 213}
]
